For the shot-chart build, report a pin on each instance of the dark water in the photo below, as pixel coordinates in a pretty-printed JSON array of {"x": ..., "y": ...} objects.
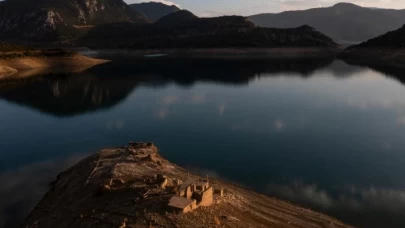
[{"x": 320, "y": 133}]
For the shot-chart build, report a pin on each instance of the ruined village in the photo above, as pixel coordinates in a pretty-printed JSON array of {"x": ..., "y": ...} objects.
[{"x": 135, "y": 187}]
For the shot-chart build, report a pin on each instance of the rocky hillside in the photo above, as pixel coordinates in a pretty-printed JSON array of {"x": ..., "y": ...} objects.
[
  {"x": 51, "y": 20},
  {"x": 153, "y": 11},
  {"x": 131, "y": 187},
  {"x": 343, "y": 22},
  {"x": 185, "y": 30}
]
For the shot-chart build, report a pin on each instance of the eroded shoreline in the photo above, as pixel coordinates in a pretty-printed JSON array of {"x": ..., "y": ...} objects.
[{"x": 26, "y": 66}]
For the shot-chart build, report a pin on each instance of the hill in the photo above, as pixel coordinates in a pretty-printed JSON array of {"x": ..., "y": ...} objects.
[
  {"x": 132, "y": 186},
  {"x": 182, "y": 29},
  {"x": 384, "y": 52},
  {"x": 393, "y": 39},
  {"x": 153, "y": 11},
  {"x": 343, "y": 22},
  {"x": 52, "y": 20}
]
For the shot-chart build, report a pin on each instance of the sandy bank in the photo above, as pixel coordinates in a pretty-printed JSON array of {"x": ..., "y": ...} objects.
[
  {"x": 11, "y": 66},
  {"x": 131, "y": 186},
  {"x": 7, "y": 70}
]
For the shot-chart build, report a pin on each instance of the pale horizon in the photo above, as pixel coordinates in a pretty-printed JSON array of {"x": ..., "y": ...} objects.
[{"x": 209, "y": 8}]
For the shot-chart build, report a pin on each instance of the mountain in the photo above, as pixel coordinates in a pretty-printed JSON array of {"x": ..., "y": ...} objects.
[
  {"x": 343, "y": 22},
  {"x": 51, "y": 20},
  {"x": 385, "y": 53},
  {"x": 153, "y": 11},
  {"x": 182, "y": 29},
  {"x": 393, "y": 39},
  {"x": 177, "y": 19}
]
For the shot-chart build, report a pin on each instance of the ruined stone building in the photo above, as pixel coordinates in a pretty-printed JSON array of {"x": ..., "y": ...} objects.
[{"x": 191, "y": 195}]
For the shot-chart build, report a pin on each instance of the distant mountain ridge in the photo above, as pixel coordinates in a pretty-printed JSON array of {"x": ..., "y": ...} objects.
[
  {"x": 342, "y": 22},
  {"x": 50, "y": 20},
  {"x": 183, "y": 29},
  {"x": 153, "y": 11}
]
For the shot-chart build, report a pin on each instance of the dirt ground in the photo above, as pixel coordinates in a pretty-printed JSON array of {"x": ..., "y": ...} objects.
[
  {"x": 123, "y": 187},
  {"x": 12, "y": 66}
]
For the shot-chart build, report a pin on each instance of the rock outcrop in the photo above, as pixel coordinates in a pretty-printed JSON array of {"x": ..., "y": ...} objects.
[{"x": 55, "y": 20}]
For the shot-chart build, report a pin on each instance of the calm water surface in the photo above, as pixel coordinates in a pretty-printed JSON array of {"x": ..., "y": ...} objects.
[{"x": 320, "y": 133}]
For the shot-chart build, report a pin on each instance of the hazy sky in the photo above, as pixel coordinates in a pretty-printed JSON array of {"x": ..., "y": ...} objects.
[{"x": 249, "y": 7}]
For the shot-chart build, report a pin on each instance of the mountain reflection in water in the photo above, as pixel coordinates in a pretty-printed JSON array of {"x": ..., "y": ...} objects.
[{"x": 104, "y": 86}]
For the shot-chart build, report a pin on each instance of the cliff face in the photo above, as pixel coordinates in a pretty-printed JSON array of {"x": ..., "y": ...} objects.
[
  {"x": 49, "y": 20},
  {"x": 131, "y": 186},
  {"x": 184, "y": 30}
]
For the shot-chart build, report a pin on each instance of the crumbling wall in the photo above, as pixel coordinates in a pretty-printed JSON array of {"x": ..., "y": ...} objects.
[
  {"x": 219, "y": 192},
  {"x": 190, "y": 207},
  {"x": 189, "y": 193},
  {"x": 207, "y": 198}
]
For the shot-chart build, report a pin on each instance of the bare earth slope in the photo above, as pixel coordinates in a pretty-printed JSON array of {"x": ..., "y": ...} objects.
[
  {"x": 131, "y": 187},
  {"x": 15, "y": 58}
]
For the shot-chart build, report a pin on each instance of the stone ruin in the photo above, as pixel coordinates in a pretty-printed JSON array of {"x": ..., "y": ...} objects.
[
  {"x": 193, "y": 194},
  {"x": 190, "y": 194}
]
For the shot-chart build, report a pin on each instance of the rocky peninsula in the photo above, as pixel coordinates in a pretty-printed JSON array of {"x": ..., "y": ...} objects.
[{"x": 133, "y": 186}]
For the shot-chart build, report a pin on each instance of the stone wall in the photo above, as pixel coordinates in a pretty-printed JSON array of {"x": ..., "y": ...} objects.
[
  {"x": 191, "y": 207},
  {"x": 207, "y": 198}
]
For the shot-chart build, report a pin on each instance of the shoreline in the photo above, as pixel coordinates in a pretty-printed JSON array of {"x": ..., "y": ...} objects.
[
  {"x": 394, "y": 57},
  {"x": 26, "y": 66},
  {"x": 132, "y": 186},
  {"x": 228, "y": 52}
]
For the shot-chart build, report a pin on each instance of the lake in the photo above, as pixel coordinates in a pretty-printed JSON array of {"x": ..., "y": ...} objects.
[{"x": 317, "y": 132}]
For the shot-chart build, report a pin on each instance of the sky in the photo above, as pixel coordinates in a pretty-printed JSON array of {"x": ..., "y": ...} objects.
[{"x": 207, "y": 8}]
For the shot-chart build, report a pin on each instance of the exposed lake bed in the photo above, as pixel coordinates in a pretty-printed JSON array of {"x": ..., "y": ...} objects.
[{"x": 308, "y": 131}]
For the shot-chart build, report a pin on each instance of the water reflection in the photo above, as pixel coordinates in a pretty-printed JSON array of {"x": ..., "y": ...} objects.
[
  {"x": 68, "y": 94},
  {"x": 23, "y": 187},
  {"x": 103, "y": 87},
  {"x": 317, "y": 132},
  {"x": 396, "y": 72},
  {"x": 372, "y": 205}
]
